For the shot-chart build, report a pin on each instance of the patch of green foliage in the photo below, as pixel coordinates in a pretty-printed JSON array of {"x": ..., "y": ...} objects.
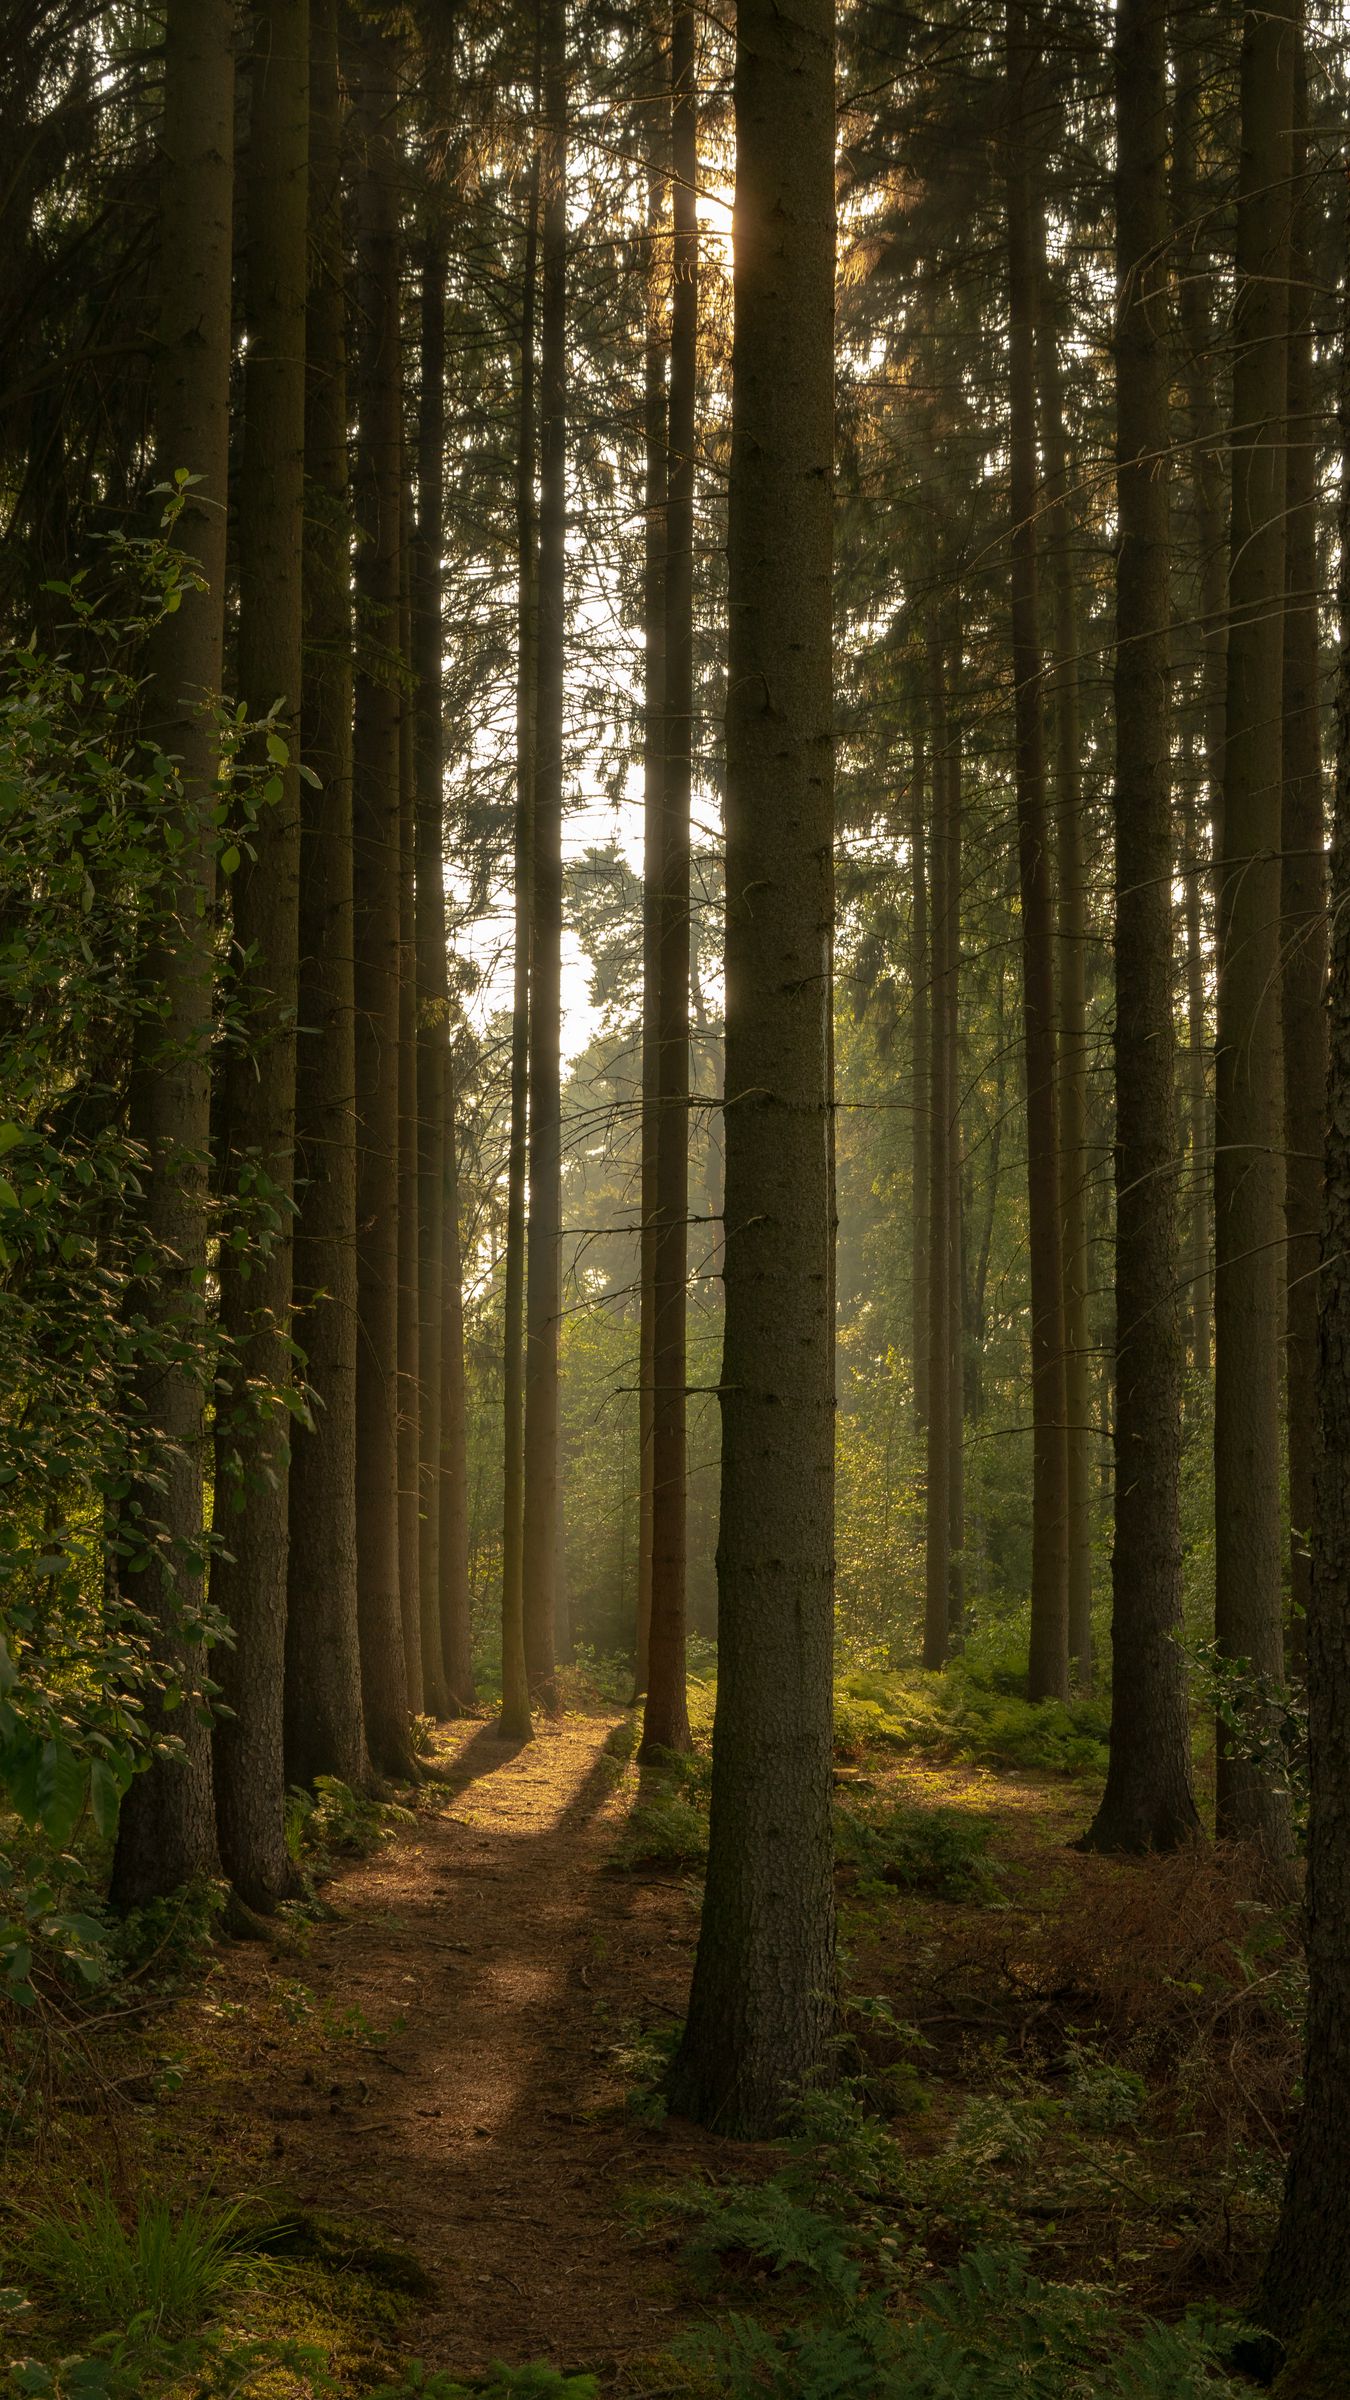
[
  {"x": 976, "y": 1710},
  {"x": 989, "y": 2331},
  {"x": 166, "y": 2269},
  {"x": 500, "y": 2383},
  {"x": 332, "y": 1823},
  {"x": 943, "y": 1852}
]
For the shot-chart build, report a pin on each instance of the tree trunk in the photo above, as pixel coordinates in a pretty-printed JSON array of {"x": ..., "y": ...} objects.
[
  {"x": 655, "y": 430},
  {"x": 919, "y": 971},
  {"x": 1048, "y": 1673},
  {"x": 543, "y": 1285},
  {"x": 515, "y": 1717},
  {"x": 324, "y": 1725},
  {"x": 956, "y": 1381},
  {"x": 666, "y": 1719},
  {"x": 453, "y": 1488},
  {"x": 1200, "y": 1131},
  {"x": 1308, "y": 2276},
  {"x": 1252, "y": 1799},
  {"x": 167, "y": 1830},
  {"x": 1071, "y": 929},
  {"x": 937, "y": 1554},
  {"x": 761, "y": 2010},
  {"x": 432, "y": 983},
  {"x": 373, "y": 71},
  {"x": 1148, "y": 1803},
  {"x": 249, "y": 1573},
  {"x": 421, "y": 1668},
  {"x": 1303, "y": 897}
]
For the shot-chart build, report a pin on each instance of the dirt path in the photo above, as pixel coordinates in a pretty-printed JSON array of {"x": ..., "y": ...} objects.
[{"x": 486, "y": 2133}]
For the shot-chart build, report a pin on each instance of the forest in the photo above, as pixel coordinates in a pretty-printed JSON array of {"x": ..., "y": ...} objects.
[{"x": 674, "y": 1199}]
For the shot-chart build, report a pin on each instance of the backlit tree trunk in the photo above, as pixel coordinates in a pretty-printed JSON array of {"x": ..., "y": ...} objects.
[
  {"x": 422, "y": 1670},
  {"x": 373, "y": 71},
  {"x": 167, "y": 1830},
  {"x": 515, "y": 1716},
  {"x": 543, "y": 1267},
  {"x": 249, "y": 1573},
  {"x": 666, "y": 1721},
  {"x": 1048, "y": 1673},
  {"x": 761, "y": 2010},
  {"x": 919, "y": 970},
  {"x": 1148, "y": 1802},
  {"x": 1303, "y": 896},
  {"x": 324, "y": 1725},
  {"x": 1252, "y": 1802},
  {"x": 937, "y": 1556},
  {"x": 655, "y": 432}
]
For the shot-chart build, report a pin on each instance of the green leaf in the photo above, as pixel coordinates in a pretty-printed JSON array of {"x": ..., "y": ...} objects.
[
  {"x": 9, "y": 1198},
  {"x": 278, "y": 751},
  {"x": 10, "y": 1135},
  {"x": 60, "y": 1791},
  {"x": 105, "y": 1797},
  {"x": 229, "y": 860},
  {"x": 9, "y": 1673},
  {"x": 20, "y": 1761}
]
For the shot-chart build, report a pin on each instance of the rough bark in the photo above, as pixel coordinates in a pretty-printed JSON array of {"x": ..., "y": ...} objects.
[
  {"x": 655, "y": 432},
  {"x": 249, "y": 1573},
  {"x": 1303, "y": 896},
  {"x": 1048, "y": 1668},
  {"x": 373, "y": 75},
  {"x": 167, "y": 1829},
  {"x": 919, "y": 970},
  {"x": 453, "y": 1490},
  {"x": 432, "y": 982},
  {"x": 762, "y": 2006},
  {"x": 1071, "y": 996},
  {"x": 666, "y": 1719},
  {"x": 515, "y": 1716},
  {"x": 422, "y": 1669},
  {"x": 324, "y": 1725},
  {"x": 543, "y": 1265},
  {"x": 1307, "y": 2279},
  {"x": 1252, "y": 1799},
  {"x": 956, "y": 1380},
  {"x": 937, "y": 1544},
  {"x": 1148, "y": 1803}
]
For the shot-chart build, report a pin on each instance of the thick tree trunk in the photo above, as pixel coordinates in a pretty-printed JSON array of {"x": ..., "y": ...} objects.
[
  {"x": 324, "y": 1725},
  {"x": 1252, "y": 1798},
  {"x": 167, "y": 1830},
  {"x": 1071, "y": 931},
  {"x": 1200, "y": 1131},
  {"x": 666, "y": 1719},
  {"x": 1048, "y": 1671},
  {"x": 937, "y": 1551},
  {"x": 920, "y": 1004},
  {"x": 1308, "y": 2277},
  {"x": 655, "y": 432},
  {"x": 1303, "y": 897},
  {"x": 373, "y": 74},
  {"x": 1148, "y": 1802},
  {"x": 543, "y": 1268},
  {"x": 762, "y": 2006},
  {"x": 249, "y": 1573},
  {"x": 515, "y": 1717},
  {"x": 422, "y": 1669}
]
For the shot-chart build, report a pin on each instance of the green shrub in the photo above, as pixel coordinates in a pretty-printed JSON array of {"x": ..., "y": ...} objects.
[
  {"x": 940, "y": 1851},
  {"x": 664, "y": 1830}
]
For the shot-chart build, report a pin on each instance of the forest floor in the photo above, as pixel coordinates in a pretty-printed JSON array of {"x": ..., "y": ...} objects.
[{"x": 440, "y": 2084}]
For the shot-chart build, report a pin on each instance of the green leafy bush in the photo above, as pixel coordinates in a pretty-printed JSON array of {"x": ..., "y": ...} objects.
[{"x": 940, "y": 1851}]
